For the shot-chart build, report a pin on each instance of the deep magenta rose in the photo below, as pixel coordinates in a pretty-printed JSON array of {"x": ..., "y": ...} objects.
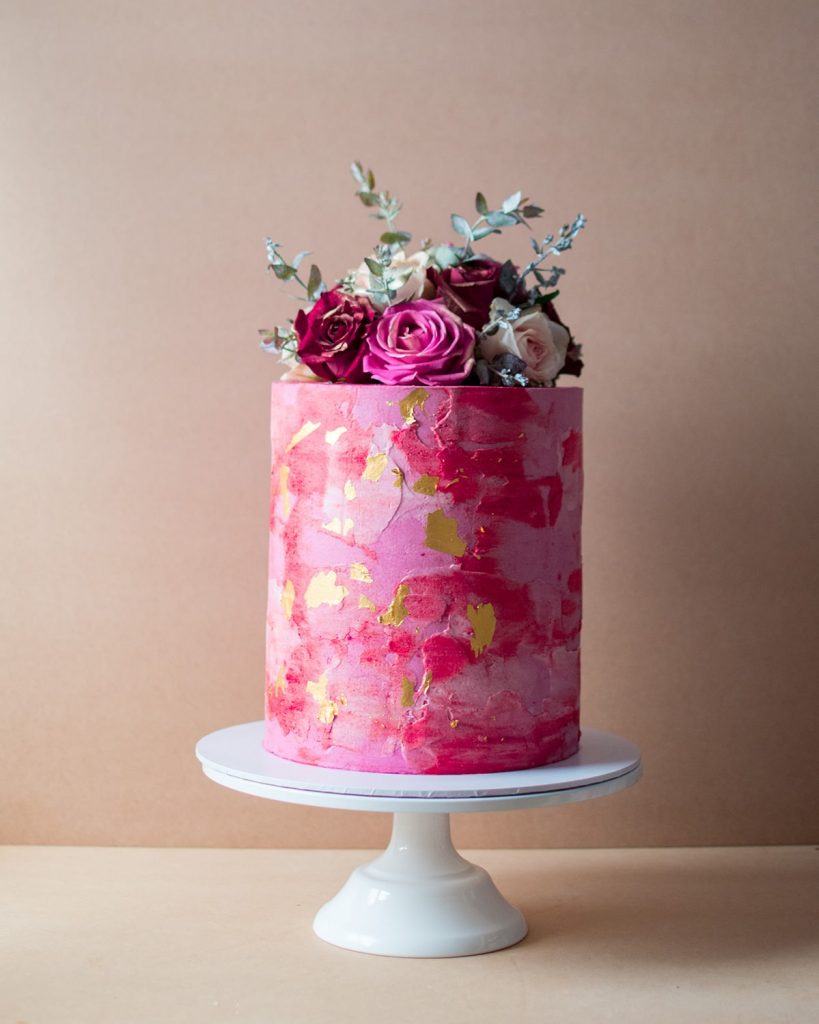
[
  {"x": 420, "y": 342},
  {"x": 332, "y": 335},
  {"x": 468, "y": 289}
]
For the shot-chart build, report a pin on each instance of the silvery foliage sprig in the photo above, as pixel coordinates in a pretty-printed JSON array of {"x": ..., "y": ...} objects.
[
  {"x": 285, "y": 271},
  {"x": 513, "y": 210},
  {"x": 283, "y": 339},
  {"x": 508, "y": 369},
  {"x": 550, "y": 247},
  {"x": 383, "y": 285},
  {"x": 386, "y": 206}
]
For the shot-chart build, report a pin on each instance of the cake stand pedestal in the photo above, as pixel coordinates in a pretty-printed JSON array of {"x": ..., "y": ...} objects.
[{"x": 420, "y": 898}]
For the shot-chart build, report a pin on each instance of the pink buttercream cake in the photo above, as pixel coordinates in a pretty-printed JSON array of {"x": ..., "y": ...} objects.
[{"x": 424, "y": 585}]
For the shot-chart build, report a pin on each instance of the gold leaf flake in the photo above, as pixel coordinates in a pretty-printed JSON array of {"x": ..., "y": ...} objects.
[
  {"x": 284, "y": 475},
  {"x": 399, "y": 476},
  {"x": 442, "y": 534},
  {"x": 301, "y": 433},
  {"x": 397, "y": 611},
  {"x": 453, "y": 723},
  {"x": 426, "y": 484},
  {"x": 323, "y": 589},
  {"x": 365, "y": 602},
  {"x": 376, "y": 464},
  {"x": 328, "y": 709},
  {"x": 425, "y": 681},
  {"x": 331, "y": 436},
  {"x": 407, "y": 692},
  {"x": 288, "y": 597},
  {"x": 415, "y": 399},
  {"x": 349, "y": 490},
  {"x": 318, "y": 688},
  {"x": 327, "y": 712},
  {"x": 281, "y": 682},
  {"x": 360, "y": 572},
  {"x": 336, "y": 526},
  {"x": 483, "y": 622}
]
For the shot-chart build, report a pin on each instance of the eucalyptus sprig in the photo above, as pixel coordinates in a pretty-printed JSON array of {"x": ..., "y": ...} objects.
[
  {"x": 285, "y": 271},
  {"x": 283, "y": 340},
  {"x": 382, "y": 286},
  {"x": 550, "y": 247},
  {"x": 513, "y": 210},
  {"x": 387, "y": 207}
]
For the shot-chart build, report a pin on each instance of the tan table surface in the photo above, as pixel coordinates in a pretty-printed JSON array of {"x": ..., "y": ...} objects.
[{"x": 141, "y": 935}]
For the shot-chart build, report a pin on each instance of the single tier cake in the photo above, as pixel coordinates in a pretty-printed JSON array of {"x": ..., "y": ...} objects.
[{"x": 424, "y": 584}]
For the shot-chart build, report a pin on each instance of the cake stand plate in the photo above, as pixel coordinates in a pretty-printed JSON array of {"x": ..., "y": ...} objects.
[{"x": 420, "y": 898}]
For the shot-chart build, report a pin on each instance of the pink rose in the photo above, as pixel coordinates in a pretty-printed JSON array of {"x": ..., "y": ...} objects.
[
  {"x": 420, "y": 342},
  {"x": 331, "y": 336},
  {"x": 533, "y": 337},
  {"x": 468, "y": 289}
]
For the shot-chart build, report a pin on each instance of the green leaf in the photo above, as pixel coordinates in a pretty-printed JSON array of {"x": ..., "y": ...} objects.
[
  {"x": 396, "y": 237},
  {"x": 461, "y": 226},
  {"x": 368, "y": 198},
  {"x": 544, "y": 300},
  {"x": 370, "y": 180},
  {"x": 446, "y": 256},
  {"x": 481, "y": 205},
  {"x": 358, "y": 173},
  {"x": 508, "y": 277},
  {"x": 299, "y": 257},
  {"x": 313, "y": 281},
  {"x": 480, "y": 233},
  {"x": 511, "y": 202},
  {"x": 497, "y": 219},
  {"x": 283, "y": 272},
  {"x": 532, "y": 211},
  {"x": 376, "y": 269}
]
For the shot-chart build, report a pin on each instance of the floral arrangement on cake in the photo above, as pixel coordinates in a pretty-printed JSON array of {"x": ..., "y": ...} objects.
[{"x": 441, "y": 315}]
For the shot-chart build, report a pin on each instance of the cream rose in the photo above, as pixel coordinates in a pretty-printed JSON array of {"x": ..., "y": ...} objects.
[
  {"x": 406, "y": 274},
  {"x": 533, "y": 337}
]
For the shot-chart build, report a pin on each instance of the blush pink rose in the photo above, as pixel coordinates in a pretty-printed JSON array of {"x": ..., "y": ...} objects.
[
  {"x": 533, "y": 337},
  {"x": 420, "y": 342},
  {"x": 332, "y": 336}
]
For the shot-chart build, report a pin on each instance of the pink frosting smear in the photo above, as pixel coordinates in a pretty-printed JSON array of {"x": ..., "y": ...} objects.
[{"x": 424, "y": 584}]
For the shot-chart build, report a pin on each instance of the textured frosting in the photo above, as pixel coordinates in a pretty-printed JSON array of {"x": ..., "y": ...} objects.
[{"x": 424, "y": 584}]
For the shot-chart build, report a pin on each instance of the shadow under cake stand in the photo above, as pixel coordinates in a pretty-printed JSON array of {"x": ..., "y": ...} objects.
[{"x": 420, "y": 898}]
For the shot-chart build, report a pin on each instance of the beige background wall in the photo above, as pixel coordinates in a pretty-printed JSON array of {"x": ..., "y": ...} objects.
[{"x": 147, "y": 149}]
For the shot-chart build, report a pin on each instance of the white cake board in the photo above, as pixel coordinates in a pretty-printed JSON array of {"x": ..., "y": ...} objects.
[{"x": 420, "y": 898}]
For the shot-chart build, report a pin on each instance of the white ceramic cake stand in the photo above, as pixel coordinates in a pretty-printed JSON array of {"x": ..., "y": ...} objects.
[{"x": 420, "y": 898}]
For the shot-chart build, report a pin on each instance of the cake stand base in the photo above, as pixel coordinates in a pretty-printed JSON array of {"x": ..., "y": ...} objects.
[{"x": 420, "y": 898}]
